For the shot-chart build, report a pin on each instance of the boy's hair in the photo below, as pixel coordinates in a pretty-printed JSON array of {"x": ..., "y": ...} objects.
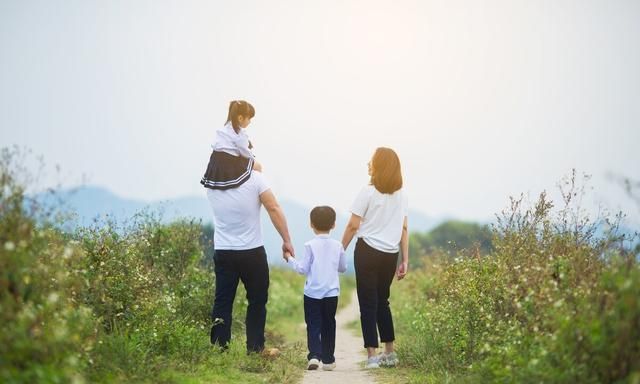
[
  {"x": 386, "y": 173},
  {"x": 239, "y": 108},
  {"x": 323, "y": 218}
]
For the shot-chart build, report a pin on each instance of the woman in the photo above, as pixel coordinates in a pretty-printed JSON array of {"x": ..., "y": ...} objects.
[{"x": 379, "y": 218}]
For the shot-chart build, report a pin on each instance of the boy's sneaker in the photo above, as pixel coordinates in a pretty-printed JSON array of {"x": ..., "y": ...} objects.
[
  {"x": 313, "y": 364},
  {"x": 329, "y": 367},
  {"x": 372, "y": 363},
  {"x": 388, "y": 359}
]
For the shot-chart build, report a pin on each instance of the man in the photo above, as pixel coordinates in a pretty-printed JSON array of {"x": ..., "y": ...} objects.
[{"x": 240, "y": 255}]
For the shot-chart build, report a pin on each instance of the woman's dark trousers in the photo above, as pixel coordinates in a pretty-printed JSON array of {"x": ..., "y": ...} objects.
[{"x": 374, "y": 273}]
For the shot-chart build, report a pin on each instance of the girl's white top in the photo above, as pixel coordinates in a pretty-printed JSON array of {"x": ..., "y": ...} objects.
[
  {"x": 236, "y": 144},
  {"x": 382, "y": 217},
  {"x": 323, "y": 259}
]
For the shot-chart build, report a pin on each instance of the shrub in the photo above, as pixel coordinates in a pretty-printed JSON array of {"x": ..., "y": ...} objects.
[
  {"x": 556, "y": 301},
  {"x": 46, "y": 332}
]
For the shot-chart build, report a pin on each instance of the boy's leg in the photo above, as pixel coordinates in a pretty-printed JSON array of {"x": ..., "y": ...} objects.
[
  {"x": 328, "y": 332},
  {"x": 226, "y": 285},
  {"x": 313, "y": 319},
  {"x": 385, "y": 278},
  {"x": 254, "y": 272},
  {"x": 366, "y": 267}
]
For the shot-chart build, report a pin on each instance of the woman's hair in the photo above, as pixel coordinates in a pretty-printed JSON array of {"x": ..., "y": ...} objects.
[
  {"x": 386, "y": 175},
  {"x": 239, "y": 108}
]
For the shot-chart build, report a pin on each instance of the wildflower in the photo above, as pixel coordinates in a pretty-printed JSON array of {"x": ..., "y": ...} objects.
[
  {"x": 67, "y": 253},
  {"x": 53, "y": 298},
  {"x": 9, "y": 246}
]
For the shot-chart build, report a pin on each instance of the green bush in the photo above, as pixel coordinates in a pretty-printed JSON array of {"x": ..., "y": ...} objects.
[
  {"x": 46, "y": 332},
  {"x": 120, "y": 303},
  {"x": 556, "y": 301}
]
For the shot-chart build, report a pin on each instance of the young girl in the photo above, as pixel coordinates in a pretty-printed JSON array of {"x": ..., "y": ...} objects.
[{"x": 232, "y": 161}]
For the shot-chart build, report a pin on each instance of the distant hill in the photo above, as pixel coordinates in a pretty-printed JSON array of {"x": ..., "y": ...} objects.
[{"x": 91, "y": 203}]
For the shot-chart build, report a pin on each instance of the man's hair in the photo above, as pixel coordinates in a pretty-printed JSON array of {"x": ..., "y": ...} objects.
[{"x": 323, "y": 218}]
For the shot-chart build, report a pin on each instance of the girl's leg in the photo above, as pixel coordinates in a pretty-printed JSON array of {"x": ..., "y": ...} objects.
[{"x": 257, "y": 166}]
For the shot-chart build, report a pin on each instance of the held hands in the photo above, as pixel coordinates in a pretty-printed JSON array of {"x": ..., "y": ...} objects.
[
  {"x": 287, "y": 251},
  {"x": 403, "y": 268}
]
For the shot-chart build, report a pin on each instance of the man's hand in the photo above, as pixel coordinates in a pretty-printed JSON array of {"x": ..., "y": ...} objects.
[{"x": 287, "y": 249}]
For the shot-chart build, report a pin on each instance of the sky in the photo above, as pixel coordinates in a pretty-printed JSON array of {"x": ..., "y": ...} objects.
[{"x": 481, "y": 100}]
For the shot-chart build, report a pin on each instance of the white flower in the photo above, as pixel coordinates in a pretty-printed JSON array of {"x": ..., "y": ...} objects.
[
  {"x": 67, "y": 253},
  {"x": 53, "y": 298},
  {"x": 9, "y": 246}
]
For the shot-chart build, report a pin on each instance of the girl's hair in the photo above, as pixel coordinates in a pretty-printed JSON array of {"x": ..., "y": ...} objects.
[
  {"x": 386, "y": 175},
  {"x": 239, "y": 108}
]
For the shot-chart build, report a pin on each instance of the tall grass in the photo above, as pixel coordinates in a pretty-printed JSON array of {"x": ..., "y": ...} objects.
[
  {"x": 557, "y": 301},
  {"x": 122, "y": 303}
]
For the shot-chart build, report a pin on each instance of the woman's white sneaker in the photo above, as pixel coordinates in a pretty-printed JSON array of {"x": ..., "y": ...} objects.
[
  {"x": 388, "y": 359},
  {"x": 372, "y": 363}
]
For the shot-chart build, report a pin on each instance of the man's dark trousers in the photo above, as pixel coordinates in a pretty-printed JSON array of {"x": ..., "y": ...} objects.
[{"x": 251, "y": 267}]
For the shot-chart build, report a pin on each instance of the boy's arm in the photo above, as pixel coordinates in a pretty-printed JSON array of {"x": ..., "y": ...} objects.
[
  {"x": 302, "y": 266},
  {"x": 342, "y": 262}
]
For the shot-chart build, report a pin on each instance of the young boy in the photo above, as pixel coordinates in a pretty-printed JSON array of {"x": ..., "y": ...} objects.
[{"x": 323, "y": 258}]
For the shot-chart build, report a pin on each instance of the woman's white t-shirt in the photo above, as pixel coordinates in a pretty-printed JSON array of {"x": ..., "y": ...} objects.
[{"x": 382, "y": 217}]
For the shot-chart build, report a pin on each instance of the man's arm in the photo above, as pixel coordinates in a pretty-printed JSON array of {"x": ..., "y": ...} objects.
[{"x": 268, "y": 199}]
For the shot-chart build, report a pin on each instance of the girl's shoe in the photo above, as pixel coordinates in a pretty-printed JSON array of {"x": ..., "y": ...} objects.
[
  {"x": 313, "y": 364},
  {"x": 388, "y": 359},
  {"x": 328, "y": 367},
  {"x": 372, "y": 363}
]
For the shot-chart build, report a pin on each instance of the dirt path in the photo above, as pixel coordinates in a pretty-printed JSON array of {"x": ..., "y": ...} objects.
[{"x": 350, "y": 354}]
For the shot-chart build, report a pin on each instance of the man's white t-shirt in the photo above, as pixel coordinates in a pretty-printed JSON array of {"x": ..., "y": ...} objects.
[
  {"x": 382, "y": 217},
  {"x": 236, "y": 214}
]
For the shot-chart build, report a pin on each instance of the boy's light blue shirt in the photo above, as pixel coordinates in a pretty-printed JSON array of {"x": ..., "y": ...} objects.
[{"x": 322, "y": 260}]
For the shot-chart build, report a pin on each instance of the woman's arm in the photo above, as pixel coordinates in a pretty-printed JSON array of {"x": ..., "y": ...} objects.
[
  {"x": 404, "y": 250},
  {"x": 352, "y": 227}
]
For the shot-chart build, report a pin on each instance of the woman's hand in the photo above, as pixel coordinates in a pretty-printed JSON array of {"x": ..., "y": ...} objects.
[{"x": 403, "y": 268}]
